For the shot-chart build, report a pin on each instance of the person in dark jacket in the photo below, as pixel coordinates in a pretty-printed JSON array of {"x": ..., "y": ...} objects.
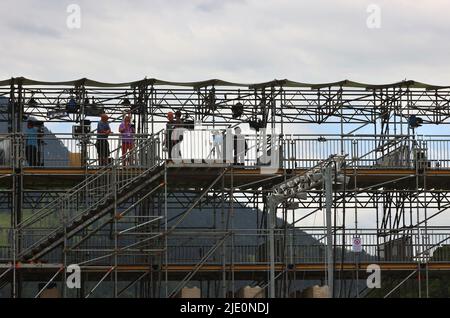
[
  {"x": 102, "y": 145},
  {"x": 170, "y": 127},
  {"x": 31, "y": 144},
  {"x": 240, "y": 147}
]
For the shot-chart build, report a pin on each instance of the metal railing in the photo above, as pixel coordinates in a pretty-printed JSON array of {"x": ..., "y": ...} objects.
[
  {"x": 210, "y": 146},
  {"x": 67, "y": 151},
  {"x": 431, "y": 246},
  {"x": 248, "y": 247},
  {"x": 305, "y": 151},
  {"x": 91, "y": 193}
]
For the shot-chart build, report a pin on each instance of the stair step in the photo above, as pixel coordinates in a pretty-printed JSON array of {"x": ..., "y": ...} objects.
[{"x": 98, "y": 204}]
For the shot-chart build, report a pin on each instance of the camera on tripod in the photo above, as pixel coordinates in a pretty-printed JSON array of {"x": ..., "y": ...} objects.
[{"x": 80, "y": 130}]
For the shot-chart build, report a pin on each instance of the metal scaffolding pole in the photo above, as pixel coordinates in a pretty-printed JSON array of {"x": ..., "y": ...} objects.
[
  {"x": 271, "y": 218},
  {"x": 328, "y": 181}
]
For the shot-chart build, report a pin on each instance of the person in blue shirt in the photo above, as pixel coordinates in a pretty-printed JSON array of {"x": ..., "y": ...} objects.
[
  {"x": 103, "y": 130},
  {"x": 31, "y": 143}
]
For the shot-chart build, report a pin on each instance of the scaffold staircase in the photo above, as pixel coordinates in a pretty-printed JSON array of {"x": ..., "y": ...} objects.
[{"x": 92, "y": 199}]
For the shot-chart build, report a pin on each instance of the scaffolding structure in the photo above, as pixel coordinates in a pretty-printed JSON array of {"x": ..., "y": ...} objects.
[{"x": 147, "y": 225}]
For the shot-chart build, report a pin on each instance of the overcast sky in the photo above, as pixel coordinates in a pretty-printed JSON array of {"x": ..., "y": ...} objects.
[{"x": 236, "y": 40}]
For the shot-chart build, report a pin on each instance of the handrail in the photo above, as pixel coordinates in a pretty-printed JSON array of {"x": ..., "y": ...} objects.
[
  {"x": 80, "y": 187},
  {"x": 63, "y": 203}
]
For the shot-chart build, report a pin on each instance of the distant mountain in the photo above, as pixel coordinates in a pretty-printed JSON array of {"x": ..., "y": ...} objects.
[
  {"x": 53, "y": 151},
  {"x": 308, "y": 248}
]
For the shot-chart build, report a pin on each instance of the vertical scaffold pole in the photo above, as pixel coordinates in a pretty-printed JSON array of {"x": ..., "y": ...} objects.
[
  {"x": 116, "y": 228},
  {"x": 328, "y": 204},
  {"x": 166, "y": 254},
  {"x": 271, "y": 227}
]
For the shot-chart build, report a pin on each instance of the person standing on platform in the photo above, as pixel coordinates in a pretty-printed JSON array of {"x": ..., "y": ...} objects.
[
  {"x": 31, "y": 143},
  {"x": 240, "y": 147},
  {"x": 127, "y": 131},
  {"x": 178, "y": 120},
  {"x": 177, "y": 135},
  {"x": 103, "y": 131},
  {"x": 170, "y": 127}
]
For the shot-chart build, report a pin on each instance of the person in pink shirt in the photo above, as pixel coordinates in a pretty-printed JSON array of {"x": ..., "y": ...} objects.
[{"x": 127, "y": 131}]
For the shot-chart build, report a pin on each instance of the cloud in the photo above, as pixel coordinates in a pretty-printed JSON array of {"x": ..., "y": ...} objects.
[
  {"x": 237, "y": 40},
  {"x": 36, "y": 29}
]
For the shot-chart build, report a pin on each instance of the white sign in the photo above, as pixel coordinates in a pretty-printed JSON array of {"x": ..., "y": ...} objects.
[{"x": 357, "y": 244}]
